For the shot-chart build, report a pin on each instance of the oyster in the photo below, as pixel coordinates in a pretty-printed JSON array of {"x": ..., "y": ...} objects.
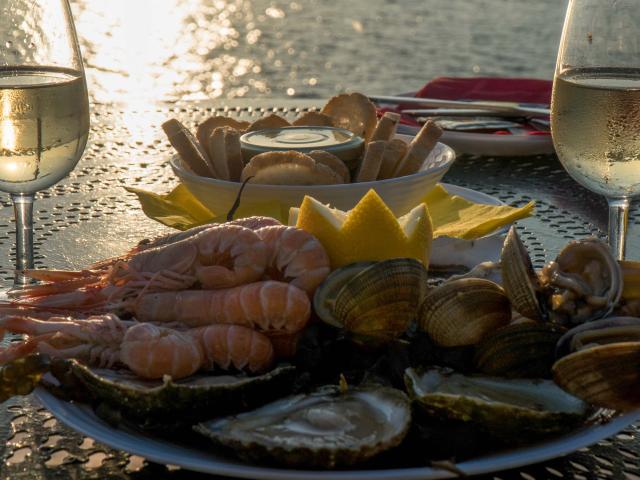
[
  {"x": 463, "y": 311},
  {"x": 584, "y": 282},
  {"x": 158, "y": 404},
  {"x": 325, "y": 429},
  {"x": 377, "y": 304},
  {"x": 523, "y": 350},
  {"x": 601, "y": 363},
  {"x": 511, "y": 409}
]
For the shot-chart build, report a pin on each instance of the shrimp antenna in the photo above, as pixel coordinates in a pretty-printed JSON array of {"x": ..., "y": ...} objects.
[{"x": 236, "y": 203}]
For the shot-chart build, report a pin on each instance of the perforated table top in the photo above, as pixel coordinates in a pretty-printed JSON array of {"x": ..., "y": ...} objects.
[{"x": 89, "y": 216}]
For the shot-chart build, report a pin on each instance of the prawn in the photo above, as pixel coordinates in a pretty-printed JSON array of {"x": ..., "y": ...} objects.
[
  {"x": 218, "y": 257},
  {"x": 295, "y": 256},
  {"x": 267, "y": 306},
  {"x": 149, "y": 350}
]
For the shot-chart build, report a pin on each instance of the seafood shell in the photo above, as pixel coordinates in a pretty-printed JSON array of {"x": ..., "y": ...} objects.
[
  {"x": 605, "y": 375},
  {"x": 324, "y": 429},
  {"x": 584, "y": 282},
  {"x": 164, "y": 404},
  {"x": 599, "y": 332},
  {"x": 378, "y": 304},
  {"x": 519, "y": 279},
  {"x": 523, "y": 350},
  {"x": 463, "y": 311},
  {"x": 324, "y": 298},
  {"x": 512, "y": 409}
]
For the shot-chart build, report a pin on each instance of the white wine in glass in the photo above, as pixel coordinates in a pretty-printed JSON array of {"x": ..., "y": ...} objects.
[
  {"x": 595, "y": 110},
  {"x": 44, "y": 107}
]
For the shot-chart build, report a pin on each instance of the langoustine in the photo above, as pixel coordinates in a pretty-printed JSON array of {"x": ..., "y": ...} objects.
[
  {"x": 218, "y": 257},
  {"x": 149, "y": 350}
]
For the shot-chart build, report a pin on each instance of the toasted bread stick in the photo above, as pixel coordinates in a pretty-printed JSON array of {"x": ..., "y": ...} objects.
[
  {"x": 191, "y": 152},
  {"x": 386, "y": 127},
  {"x": 206, "y": 128},
  {"x": 371, "y": 162},
  {"x": 395, "y": 151},
  {"x": 419, "y": 149},
  {"x": 225, "y": 153}
]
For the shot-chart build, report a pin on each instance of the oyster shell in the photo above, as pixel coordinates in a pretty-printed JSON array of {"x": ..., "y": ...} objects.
[
  {"x": 523, "y": 350},
  {"x": 324, "y": 429},
  {"x": 511, "y": 409},
  {"x": 161, "y": 404},
  {"x": 584, "y": 282},
  {"x": 463, "y": 311},
  {"x": 377, "y": 304},
  {"x": 519, "y": 278}
]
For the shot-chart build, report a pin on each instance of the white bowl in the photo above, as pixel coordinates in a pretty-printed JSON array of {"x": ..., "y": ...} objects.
[{"x": 400, "y": 194}]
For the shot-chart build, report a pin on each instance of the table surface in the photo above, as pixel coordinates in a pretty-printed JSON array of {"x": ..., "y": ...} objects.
[{"x": 89, "y": 216}]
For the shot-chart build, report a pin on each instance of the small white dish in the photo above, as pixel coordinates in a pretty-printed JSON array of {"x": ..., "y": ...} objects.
[{"x": 400, "y": 194}]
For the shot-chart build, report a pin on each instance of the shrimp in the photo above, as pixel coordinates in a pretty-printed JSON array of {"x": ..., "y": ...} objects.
[
  {"x": 150, "y": 351},
  {"x": 267, "y": 306},
  {"x": 295, "y": 256},
  {"x": 219, "y": 257}
]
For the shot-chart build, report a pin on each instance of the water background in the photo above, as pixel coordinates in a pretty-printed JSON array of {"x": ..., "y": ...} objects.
[{"x": 138, "y": 51}]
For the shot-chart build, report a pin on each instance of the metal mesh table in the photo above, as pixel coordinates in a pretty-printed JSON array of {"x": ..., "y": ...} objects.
[{"x": 90, "y": 216}]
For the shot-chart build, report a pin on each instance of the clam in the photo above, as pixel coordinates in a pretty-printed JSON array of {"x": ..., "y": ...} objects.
[
  {"x": 463, "y": 311},
  {"x": 584, "y": 283},
  {"x": 511, "y": 409},
  {"x": 523, "y": 350},
  {"x": 377, "y": 304},
  {"x": 325, "y": 429},
  {"x": 605, "y": 375},
  {"x": 164, "y": 404},
  {"x": 519, "y": 278},
  {"x": 601, "y": 363}
]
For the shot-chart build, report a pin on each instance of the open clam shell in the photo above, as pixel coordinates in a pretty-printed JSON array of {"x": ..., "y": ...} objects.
[
  {"x": 584, "y": 283},
  {"x": 163, "y": 404},
  {"x": 523, "y": 350},
  {"x": 519, "y": 278},
  {"x": 324, "y": 429},
  {"x": 512, "y": 409},
  {"x": 605, "y": 375},
  {"x": 599, "y": 332},
  {"x": 463, "y": 311},
  {"x": 377, "y": 304}
]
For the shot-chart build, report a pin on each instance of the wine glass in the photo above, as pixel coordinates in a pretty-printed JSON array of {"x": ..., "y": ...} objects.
[
  {"x": 44, "y": 108},
  {"x": 595, "y": 110}
]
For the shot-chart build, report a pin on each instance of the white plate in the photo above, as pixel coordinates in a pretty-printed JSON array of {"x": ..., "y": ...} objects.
[
  {"x": 490, "y": 145},
  {"x": 82, "y": 419}
]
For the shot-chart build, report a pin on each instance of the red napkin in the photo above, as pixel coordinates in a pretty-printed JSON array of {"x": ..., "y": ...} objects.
[{"x": 521, "y": 90}]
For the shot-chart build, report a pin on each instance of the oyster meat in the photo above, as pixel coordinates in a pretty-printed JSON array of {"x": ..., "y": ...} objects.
[
  {"x": 324, "y": 429},
  {"x": 510, "y": 409},
  {"x": 162, "y": 404}
]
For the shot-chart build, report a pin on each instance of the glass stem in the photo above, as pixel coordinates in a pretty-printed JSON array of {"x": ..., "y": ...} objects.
[
  {"x": 618, "y": 216},
  {"x": 23, "y": 208}
]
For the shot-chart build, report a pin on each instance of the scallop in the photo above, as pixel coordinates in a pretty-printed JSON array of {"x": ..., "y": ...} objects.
[{"x": 463, "y": 311}]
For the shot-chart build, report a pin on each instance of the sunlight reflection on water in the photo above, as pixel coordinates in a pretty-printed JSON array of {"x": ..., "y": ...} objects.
[{"x": 147, "y": 50}]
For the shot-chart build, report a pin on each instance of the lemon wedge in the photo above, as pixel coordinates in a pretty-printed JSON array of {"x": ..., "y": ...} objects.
[{"x": 368, "y": 232}]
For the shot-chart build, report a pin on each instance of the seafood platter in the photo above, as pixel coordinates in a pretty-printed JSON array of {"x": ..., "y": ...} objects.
[{"x": 277, "y": 345}]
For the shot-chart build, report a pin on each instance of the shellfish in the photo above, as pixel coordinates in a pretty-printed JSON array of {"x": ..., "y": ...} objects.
[{"x": 325, "y": 429}]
